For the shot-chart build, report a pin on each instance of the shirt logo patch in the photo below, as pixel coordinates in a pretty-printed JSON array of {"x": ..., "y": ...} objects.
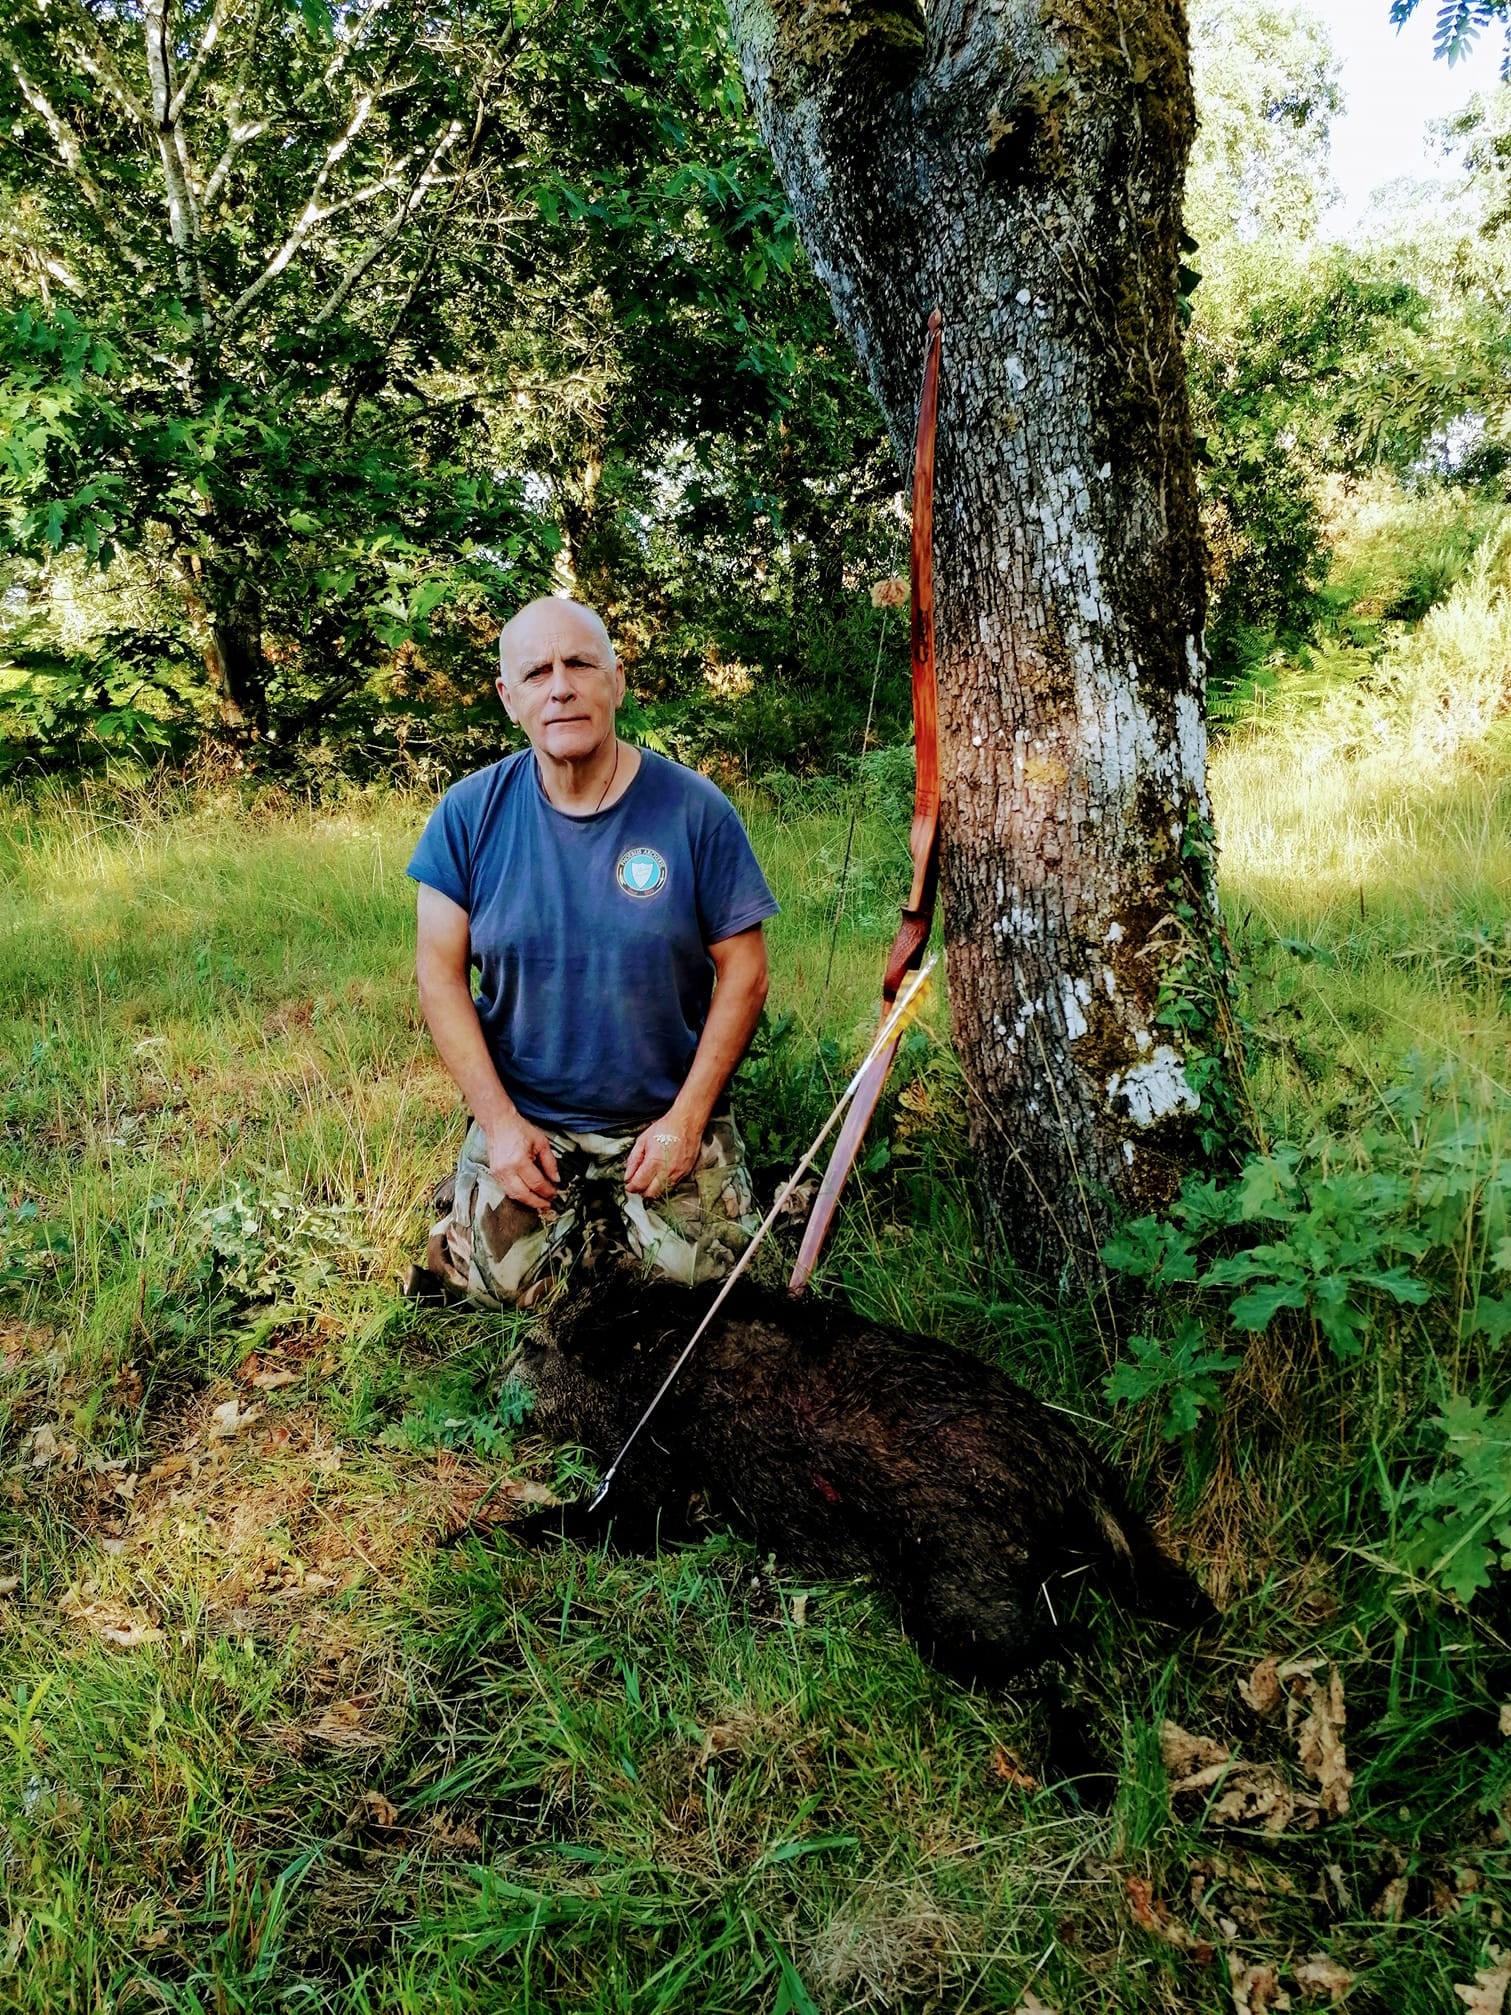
[{"x": 641, "y": 871}]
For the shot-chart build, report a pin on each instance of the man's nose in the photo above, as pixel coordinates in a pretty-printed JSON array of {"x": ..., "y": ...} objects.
[{"x": 563, "y": 686}]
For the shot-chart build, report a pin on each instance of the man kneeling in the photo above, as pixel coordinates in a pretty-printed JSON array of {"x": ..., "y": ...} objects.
[{"x": 612, "y": 906}]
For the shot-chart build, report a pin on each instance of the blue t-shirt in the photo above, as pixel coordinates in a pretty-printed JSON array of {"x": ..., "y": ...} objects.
[{"x": 591, "y": 934}]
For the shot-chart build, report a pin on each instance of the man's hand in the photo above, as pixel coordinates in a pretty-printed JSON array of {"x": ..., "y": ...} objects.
[
  {"x": 663, "y": 1155},
  {"x": 521, "y": 1162}
]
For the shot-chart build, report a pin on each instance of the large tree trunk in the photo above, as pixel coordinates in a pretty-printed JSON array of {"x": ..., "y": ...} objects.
[
  {"x": 1021, "y": 168},
  {"x": 233, "y": 654}
]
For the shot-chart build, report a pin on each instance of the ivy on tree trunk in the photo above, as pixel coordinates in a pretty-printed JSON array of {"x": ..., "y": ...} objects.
[{"x": 1020, "y": 166}]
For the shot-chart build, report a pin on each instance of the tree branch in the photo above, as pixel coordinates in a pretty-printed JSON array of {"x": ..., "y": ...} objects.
[
  {"x": 183, "y": 217},
  {"x": 309, "y": 217},
  {"x": 97, "y": 58},
  {"x": 406, "y": 210},
  {"x": 71, "y": 154},
  {"x": 238, "y": 135},
  {"x": 201, "y": 58}
]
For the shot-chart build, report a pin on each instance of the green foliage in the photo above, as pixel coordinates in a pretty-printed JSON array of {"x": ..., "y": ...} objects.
[
  {"x": 31, "y": 1248},
  {"x": 541, "y": 308},
  {"x": 1459, "y": 1520},
  {"x": 264, "y": 1244},
  {"x": 1291, "y": 373},
  {"x": 1266, "y": 80},
  {"x": 1344, "y": 1237},
  {"x": 1181, "y": 1375},
  {"x": 448, "y": 1413},
  {"x": 1458, "y": 22}
]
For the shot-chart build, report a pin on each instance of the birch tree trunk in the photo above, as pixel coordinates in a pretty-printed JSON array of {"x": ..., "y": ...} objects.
[{"x": 1019, "y": 164}]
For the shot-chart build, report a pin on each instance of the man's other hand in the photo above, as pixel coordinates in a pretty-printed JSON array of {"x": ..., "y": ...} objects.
[
  {"x": 663, "y": 1155},
  {"x": 521, "y": 1162}
]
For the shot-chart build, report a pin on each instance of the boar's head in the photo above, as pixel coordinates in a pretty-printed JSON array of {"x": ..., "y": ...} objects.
[{"x": 594, "y": 1364}]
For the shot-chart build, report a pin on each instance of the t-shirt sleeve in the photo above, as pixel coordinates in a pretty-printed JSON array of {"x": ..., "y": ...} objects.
[
  {"x": 732, "y": 892},
  {"x": 443, "y": 859}
]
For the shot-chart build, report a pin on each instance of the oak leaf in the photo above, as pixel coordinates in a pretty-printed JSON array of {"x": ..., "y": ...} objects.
[
  {"x": 1255, "y": 1989},
  {"x": 1262, "y": 1690},
  {"x": 1319, "y": 1739},
  {"x": 1321, "y": 1975},
  {"x": 1487, "y": 1995}
]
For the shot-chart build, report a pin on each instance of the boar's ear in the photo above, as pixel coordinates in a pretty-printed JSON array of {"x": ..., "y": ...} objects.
[{"x": 579, "y": 1323}]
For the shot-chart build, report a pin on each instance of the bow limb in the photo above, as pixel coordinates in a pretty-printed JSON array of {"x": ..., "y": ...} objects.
[{"x": 918, "y": 912}]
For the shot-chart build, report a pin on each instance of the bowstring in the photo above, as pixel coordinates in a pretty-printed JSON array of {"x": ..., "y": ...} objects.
[{"x": 844, "y": 871}]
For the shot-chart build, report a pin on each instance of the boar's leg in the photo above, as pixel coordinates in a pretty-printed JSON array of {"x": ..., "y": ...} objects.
[
  {"x": 994, "y": 1637},
  {"x": 630, "y": 1525},
  {"x": 975, "y": 1632}
]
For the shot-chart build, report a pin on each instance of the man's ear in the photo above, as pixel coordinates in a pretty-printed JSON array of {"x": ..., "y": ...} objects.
[{"x": 503, "y": 693}]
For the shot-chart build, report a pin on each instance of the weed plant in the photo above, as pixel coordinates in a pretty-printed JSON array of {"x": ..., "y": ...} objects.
[{"x": 288, "y": 1722}]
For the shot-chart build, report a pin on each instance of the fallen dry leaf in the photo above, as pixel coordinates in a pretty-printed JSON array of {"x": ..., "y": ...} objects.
[
  {"x": 1391, "y": 1902},
  {"x": 1254, "y": 1988},
  {"x": 228, "y": 1419},
  {"x": 1487, "y": 1996},
  {"x": 1321, "y": 1975},
  {"x": 1007, "y": 1767},
  {"x": 1153, "y": 1915},
  {"x": 799, "y": 1609},
  {"x": 1250, "y": 1794},
  {"x": 1262, "y": 1690},
  {"x": 373, "y": 1809},
  {"x": 319, "y": 1584},
  {"x": 9, "y": 1583},
  {"x": 522, "y": 1490},
  {"x": 1319, "y": 1739},
  {"x": 114, "y": 1624},
  {"x": 46, "y": 1447},
  {"x": 270, "y": 1381},
  {"x": 1258, "y": 1795},
  {"x": 1506, "y": 1717},
  {"x": 1185, "y": 1756},
  {"x": 455, "y": 1832},
  {"x": 153, "y": 1941},
  {"x": 341, "y": 1726},
  {"x": 171, "y": 1465},
  {"x": 1032, "y": 2005},
  {"x": 127, "y": 1636},
  {"x": 475, "y": 1505}
]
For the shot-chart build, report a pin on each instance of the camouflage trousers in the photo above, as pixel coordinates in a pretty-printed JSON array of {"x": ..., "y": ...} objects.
[{"x": 500, "y": 1253}]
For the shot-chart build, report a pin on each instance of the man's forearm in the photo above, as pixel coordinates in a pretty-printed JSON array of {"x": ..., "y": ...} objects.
[
  {"x": 451, "y": 1016},
  {"x": 732, "y": 1017}
]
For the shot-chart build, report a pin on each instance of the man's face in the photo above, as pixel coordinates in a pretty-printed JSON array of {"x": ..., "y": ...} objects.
[{"x": 560, "y": 680}]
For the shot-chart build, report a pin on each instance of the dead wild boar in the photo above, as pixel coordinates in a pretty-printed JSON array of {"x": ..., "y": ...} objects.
[{"x": 847, "y": 1448}]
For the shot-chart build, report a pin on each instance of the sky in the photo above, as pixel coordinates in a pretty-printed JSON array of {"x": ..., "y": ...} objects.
[{"x": 1393, "y": 86}]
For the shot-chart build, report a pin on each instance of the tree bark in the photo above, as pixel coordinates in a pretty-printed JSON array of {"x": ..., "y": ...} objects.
[
  {"x": 233, "y": 655},
  {"x": 1020, "y": 166}
]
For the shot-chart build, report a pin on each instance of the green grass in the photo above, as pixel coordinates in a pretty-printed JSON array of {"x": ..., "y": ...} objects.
[{"x": 336, "y": 1756}]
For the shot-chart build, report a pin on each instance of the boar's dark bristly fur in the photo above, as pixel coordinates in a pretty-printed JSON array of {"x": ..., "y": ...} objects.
[{"x": 849, "y": 1448}]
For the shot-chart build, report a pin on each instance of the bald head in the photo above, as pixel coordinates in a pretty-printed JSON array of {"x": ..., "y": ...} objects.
[
  {"x": 559, "y": 679},
  {"x": 551, "y": 627}
]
